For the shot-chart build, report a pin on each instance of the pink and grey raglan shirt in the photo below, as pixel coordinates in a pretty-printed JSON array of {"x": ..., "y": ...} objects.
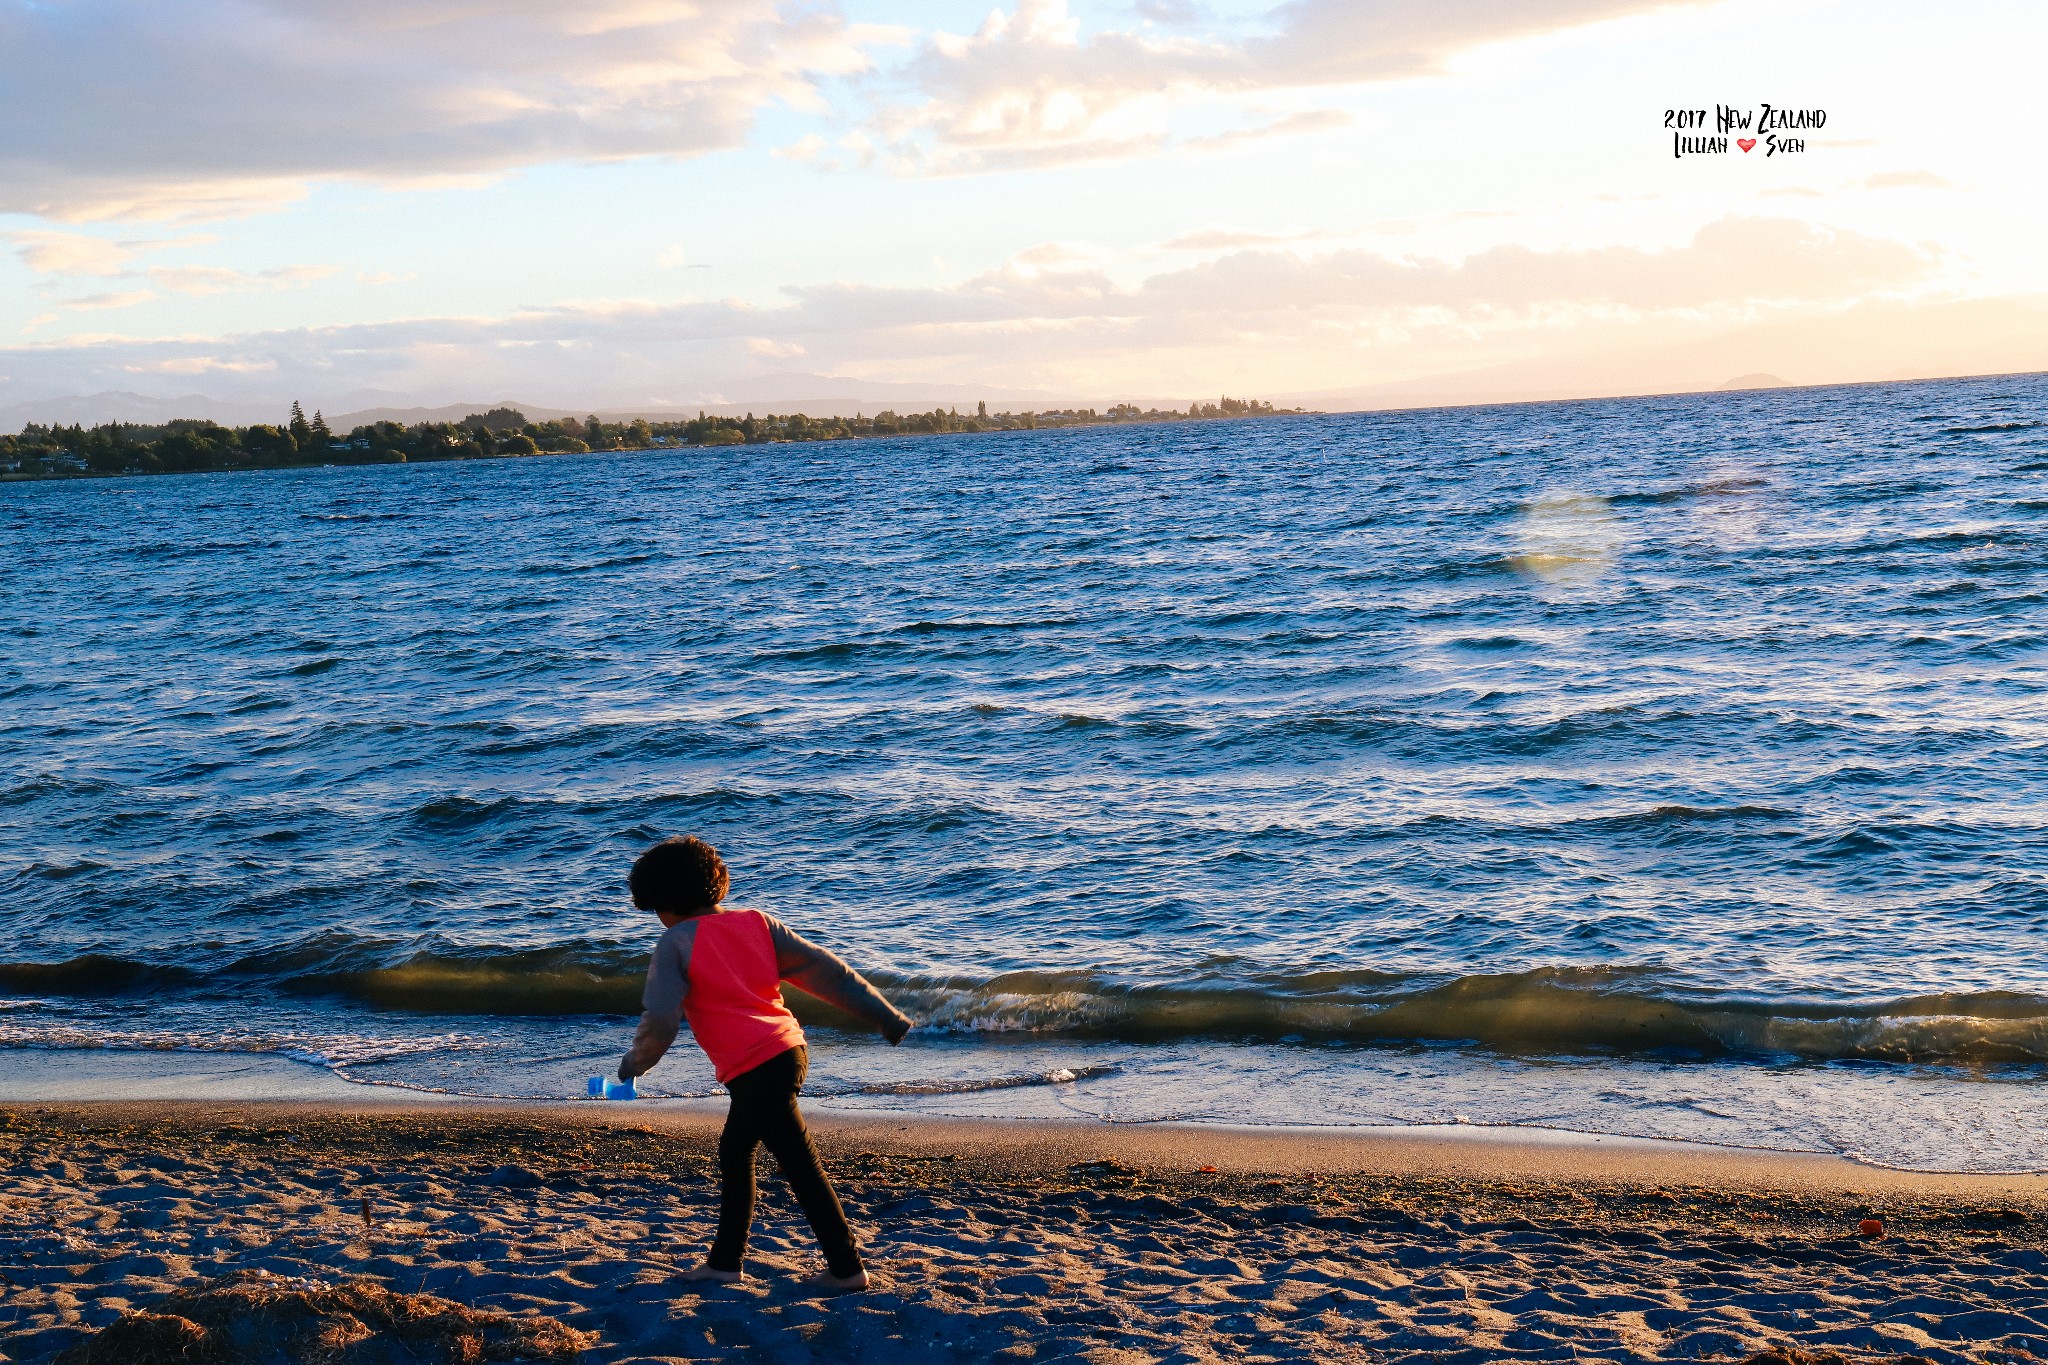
[{"x": 724, "y": 972}]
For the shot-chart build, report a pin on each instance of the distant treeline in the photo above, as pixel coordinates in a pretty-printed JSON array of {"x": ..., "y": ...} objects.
[{"x": 188, "y": 445}]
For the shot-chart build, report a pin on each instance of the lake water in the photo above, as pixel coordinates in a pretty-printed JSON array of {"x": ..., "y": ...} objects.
[{"x": 1671, "y": 767}]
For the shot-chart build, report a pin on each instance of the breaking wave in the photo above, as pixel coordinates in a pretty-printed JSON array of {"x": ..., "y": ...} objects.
[{"x": 1635, "y": 1011}]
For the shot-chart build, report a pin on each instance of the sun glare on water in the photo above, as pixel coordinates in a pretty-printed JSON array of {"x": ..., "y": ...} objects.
[{"x": 1569, "y": 539}]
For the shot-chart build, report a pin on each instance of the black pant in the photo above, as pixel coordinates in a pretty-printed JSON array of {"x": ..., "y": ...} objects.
[{"x": 764, "y": 1111}]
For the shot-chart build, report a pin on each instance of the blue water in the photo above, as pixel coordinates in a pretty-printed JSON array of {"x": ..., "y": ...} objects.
[{"x": 1671, "y": 766}]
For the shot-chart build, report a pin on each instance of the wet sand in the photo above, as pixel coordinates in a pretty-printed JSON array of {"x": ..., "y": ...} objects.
[{"x": 1027, "y": 1241}]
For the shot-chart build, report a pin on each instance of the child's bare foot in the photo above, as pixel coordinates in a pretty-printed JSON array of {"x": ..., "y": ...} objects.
[
  {"x": 838, "y": 1284},
  {"x": 705, "y": 1274}
]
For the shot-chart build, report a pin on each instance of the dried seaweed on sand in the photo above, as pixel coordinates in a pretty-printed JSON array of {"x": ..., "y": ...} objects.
[
  {"x": 256, "y": 1318},
  {"x": 1797, "y": 1355}
]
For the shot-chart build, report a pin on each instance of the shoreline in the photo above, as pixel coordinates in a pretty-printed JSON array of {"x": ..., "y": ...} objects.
[
  {"x": 1010, "y": 1146},
  {"x": 1932, "y": 1130},
  {"x": 1025, "y": 1239},
  {"x": 61, "y": 1077}
]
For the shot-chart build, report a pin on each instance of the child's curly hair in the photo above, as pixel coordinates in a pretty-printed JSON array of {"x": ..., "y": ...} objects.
[{"x": 685, "y": 876}]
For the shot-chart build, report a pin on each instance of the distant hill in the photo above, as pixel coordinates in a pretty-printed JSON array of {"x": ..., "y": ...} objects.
[
  {"x": 810, "y": 394},
  {"x": 94, "y": 409},
  {"x": 1756, "y": 381}
]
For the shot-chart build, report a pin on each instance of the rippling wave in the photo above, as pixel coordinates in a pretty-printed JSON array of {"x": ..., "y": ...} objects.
[
  {"x": 1709, "y": 727},
  {"x": 1565, "y": 1011}
]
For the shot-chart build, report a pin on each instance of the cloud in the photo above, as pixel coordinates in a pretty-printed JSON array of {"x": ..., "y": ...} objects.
[
  {"x": 75, "y": 253},
  {"x": 97, "y": 302},
  {"x": 70, "y": 253},
  {"x": 1028, "y": 88},
  {"x": 1906, "y": 180},
  {"x": 204, "y": 364},
  {"x": 1271, "y": 318},
  {"x": 201, "y": 108},
  {"x": 1307, "y": 121},
  {"x": 214, "y": 279},
  {"x": 1343, "y": 41},
  {"x": 809, "y": 147},
  {"x": 212, "y": 108},
  {"x": 1229, "y": 239},
  {"x": 1177, "y": 13},
  {"x": 1051, "y": 255},
  {"x": 1732, "y": 261}
]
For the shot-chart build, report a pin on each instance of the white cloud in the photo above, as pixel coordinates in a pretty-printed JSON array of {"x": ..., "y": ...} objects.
[
  {"x": 208, "y": 107},
  {"x": 91, "y": 303},
  {"x": 1231, "y": 239},
  {"x": 1906, "y": 180},
  {"x": 1051, "y": 256},
  {"x": 1028, "y": 88},
  {"x": 1307, "y": 121},
  {"x": 1175, "y": 13},
  {"x": 75, "y": 253},
  {"x": 1329, "y": 42},
  {"x": 204, "y": 364},
  {"x": 809, "y": 147},
  {"x": 214, "y": 279},
  {"x": 70, "y": 253},
  {"x": 1276, "y": 319},
  {"x": 1733, "y": 261}
]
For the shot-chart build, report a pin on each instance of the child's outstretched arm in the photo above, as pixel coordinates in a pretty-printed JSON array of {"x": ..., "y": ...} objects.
[
  {"x": 823, "y": 973},
  {"x": 668, "y": 983}
]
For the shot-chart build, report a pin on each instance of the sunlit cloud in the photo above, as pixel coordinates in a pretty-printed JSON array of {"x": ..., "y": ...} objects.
[
  {"x": 1028, "y": 88},
  {"x": 1308, "y": 121},
  {"x": 1232, "y": 239},
  {"x": 70, "y": 253},
  {"x": 1053, "y": 317},
  {"x": 1051, "y": 256},
  {"x": 90, "y": 303},
  {"x": 50, "y": 252},
  {"x": 208, "y": 108},
  {"x": 810, "y": 147},
  {"x": 1308, "y": 196},
  {"x": 1731, "y": 261},
  {"x": 204, "y": 364},
  {"x": 1907, "y": 180},
  {"x": 212, "y": 279}
]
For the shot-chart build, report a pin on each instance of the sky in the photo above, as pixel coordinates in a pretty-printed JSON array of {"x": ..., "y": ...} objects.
[{"x": 652, "y": 204}]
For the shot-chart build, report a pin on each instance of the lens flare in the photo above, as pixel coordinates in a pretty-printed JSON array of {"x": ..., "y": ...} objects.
[{"x": 1569, "y": 539}]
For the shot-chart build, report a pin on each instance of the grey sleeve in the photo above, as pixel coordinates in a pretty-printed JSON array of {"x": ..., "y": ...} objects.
[
  {"x": 823, "y": 973},
  {"x": 668, "y": 985}
]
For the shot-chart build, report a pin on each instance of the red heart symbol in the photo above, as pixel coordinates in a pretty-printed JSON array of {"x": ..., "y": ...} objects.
[{"x": 1745, "y": 143}]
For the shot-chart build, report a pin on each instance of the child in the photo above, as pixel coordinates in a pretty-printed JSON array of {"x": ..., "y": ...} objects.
[{"x": 724, "y": 969}]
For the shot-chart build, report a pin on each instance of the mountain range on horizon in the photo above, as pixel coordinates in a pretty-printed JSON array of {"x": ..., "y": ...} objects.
[
  {"x": 145, "y": 410},
  {"x": 1862, "y": 344},
  {"x": 814, "y": 395}
]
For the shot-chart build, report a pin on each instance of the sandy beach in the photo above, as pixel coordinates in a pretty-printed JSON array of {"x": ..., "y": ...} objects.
[{"x": 1028, "y": 1241}]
